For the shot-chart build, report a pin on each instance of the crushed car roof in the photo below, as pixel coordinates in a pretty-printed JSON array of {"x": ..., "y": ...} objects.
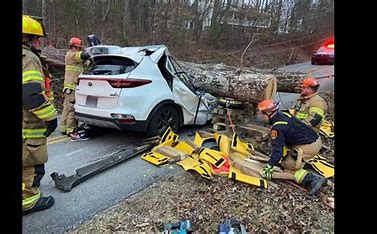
[{"x": 135, "y": 53}]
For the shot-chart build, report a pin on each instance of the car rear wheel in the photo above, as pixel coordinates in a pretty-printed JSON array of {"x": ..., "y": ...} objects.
[{"x": 164, "y": 117}]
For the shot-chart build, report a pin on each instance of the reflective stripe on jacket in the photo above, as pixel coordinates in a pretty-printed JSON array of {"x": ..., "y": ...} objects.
[
  {"x": 73, "y": 68},
  {"x": 288, "y": 131},
  {"x": 36, "y": 107},
  {"x": 311, "y": 108}
]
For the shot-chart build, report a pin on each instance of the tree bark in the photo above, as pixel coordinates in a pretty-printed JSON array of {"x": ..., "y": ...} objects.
[
  {"x": 251, "y": 85},
  {"x": 221, "y": 81},
  {"x": 289, "y": 81},
  {"x": 45, "y": 15},
  {"x": 126, "y": 19},
  {"x": 93, "y": 12},
  {"x": 24, "y": 10}
]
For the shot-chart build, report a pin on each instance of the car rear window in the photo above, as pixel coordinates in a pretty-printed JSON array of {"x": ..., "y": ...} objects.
[{"x": 110, "y": 66}]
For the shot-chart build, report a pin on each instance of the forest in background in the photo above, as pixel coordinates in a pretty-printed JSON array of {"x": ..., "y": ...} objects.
[{"x": 199, "y": 30}]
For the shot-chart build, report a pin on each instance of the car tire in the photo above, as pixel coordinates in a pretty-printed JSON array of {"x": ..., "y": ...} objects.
[{"x": 164, "y": 117}]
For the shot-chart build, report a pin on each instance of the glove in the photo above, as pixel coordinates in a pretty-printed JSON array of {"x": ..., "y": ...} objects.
[
  {"x": 51, "y": 126},
  {"x": 267, "y": 171}
]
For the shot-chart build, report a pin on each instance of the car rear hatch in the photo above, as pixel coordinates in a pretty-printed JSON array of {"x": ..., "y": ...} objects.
[{"x": 100, "y": 85}]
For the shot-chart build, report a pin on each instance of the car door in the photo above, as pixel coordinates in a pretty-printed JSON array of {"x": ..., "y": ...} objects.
[{"x": 185, "y": 97}]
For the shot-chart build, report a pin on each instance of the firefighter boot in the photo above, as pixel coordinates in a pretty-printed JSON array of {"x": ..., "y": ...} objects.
[
  {"x": 314, "y": 182},
  {"x": 79, "y": 135},
  {"x": 42, "y": 204}
]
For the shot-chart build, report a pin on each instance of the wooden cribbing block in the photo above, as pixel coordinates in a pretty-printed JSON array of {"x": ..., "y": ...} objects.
[
  {"x": 220, "y": 126},
  {"x": 169, "y": 151},
  {"x": 193, "y": 145},
  {"x": 252, "y": 167},
  {"x": 257, "y": 132}
]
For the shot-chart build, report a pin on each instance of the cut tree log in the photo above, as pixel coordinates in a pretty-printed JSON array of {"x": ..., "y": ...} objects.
[
  {"x": 249, "y": 85},
  {"x": 54, "y": 57}
]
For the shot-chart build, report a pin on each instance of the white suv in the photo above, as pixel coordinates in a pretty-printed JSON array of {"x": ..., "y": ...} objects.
[{"x": 138, "y": 89}]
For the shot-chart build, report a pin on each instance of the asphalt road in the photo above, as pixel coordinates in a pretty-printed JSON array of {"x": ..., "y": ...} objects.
[
  {"x": 109, "y": 187},
  {"x": 97, "y": 193}
]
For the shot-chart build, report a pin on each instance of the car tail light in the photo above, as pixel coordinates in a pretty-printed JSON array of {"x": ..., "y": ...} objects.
[
  {"x": 330, "y": 46},
  {"x": 128, "y": 83},
  {"x": 119, "y": 83}
]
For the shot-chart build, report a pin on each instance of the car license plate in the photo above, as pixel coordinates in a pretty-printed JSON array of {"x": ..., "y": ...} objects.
[{"x": 91, "y": 101}]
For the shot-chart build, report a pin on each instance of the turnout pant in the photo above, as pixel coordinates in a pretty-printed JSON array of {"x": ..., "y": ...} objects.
[
  {"x": 294, "y": 165},
  {"x": 68, "y": 123},
  {"x": 34, "y": 155},
  {"x": 304, "y": 152}
]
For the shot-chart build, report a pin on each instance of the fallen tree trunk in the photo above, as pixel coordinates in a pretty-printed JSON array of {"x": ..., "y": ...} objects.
[
  {"x": 289, "y": 81},
  {"x": 241, "y": 82},
  {"x": 55, "y": 64},
  {"x": 54, "y": 57},
  {"x": 248, "y": 87}
]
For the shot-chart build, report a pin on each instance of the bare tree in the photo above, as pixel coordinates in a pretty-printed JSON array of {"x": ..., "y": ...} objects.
[
  {"x": 44, "y": 13},
  {"x": 125, "y": 19},
  {"x": 25, "y": 9},
  {"x": 222, "y": 23}
]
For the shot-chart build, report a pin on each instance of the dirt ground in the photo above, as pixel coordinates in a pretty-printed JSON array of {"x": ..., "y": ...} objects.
[
  {"x": 208, "y": 203},
  {"x": 282, "y": 207}
]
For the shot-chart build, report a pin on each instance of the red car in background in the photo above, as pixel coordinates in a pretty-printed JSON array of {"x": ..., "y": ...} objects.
[{"x": 325, "y": 55}]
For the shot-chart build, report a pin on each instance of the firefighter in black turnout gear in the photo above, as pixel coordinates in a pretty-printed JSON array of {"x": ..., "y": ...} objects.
[{"x": 288, "y": 131}]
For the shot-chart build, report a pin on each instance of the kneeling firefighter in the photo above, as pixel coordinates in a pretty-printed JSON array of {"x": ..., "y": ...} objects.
[{"x": 288, "y": 131}]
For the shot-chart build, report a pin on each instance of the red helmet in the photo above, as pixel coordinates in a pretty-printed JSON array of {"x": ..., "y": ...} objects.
[
  {"x": 310, "y": 82},
  {"x": 74, "y": 41},
  {"x": 268, "y": 105}
]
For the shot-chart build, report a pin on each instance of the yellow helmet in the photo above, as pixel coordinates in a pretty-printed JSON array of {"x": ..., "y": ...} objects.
[{"x": 31, "y": 26}]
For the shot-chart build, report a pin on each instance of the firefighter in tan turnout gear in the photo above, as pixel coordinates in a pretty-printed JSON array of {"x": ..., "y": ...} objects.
[
  {"x": 74, "y": 65},
  {"x": 310, "y": 108},
  {"x": 38, "y": 119}
]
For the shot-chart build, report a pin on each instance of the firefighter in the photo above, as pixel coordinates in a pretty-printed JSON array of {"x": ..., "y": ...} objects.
[
  {"x": 310, "y": 107},
  {"x": 74, "y": 65},
  {"x": 288, "y": 131},
  {"x": 39, "y": 119}
]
